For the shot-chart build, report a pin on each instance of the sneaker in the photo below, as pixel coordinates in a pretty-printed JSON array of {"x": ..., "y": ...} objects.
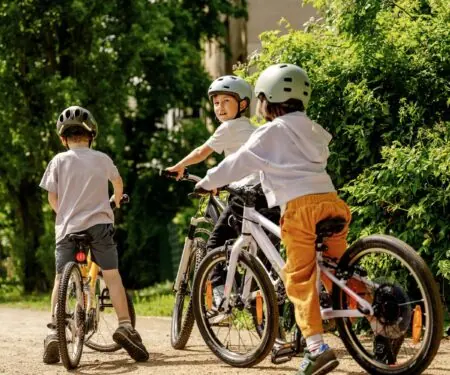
[
  {"x": 130, "y": 340},
  {"x": 386, "y": 349},
  {"x": 318, "y": 364},
  {"x": 218, "y": 294},
  {"x": 51, "y": 349}
]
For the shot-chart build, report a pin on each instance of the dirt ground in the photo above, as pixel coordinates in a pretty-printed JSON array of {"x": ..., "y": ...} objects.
[{"x": 21, "y": 346}]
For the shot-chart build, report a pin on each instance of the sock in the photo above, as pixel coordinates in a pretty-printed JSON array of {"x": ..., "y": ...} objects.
[
  {"x": 52, "y": 326},
  {"x": 126, "y": 324},
  {"x": 314, "y": 343}
]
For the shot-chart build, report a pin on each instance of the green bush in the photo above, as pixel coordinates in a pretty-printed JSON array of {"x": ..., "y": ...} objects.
[{"x": 380, "y": 77}]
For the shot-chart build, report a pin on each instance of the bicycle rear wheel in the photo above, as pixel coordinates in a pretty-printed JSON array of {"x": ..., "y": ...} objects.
[
  {"x": 182, "y": 314},
  {"x": 404, "y": 334},
  {"x": 233, "y": 335},
  {"x": 103, "y": 320},
  {"x": 70, "y": 316}
]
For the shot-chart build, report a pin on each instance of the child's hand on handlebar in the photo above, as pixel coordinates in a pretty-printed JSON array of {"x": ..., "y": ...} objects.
[
  {"x": 178, "y": 170},
  {"x": 200, "y": 191}
]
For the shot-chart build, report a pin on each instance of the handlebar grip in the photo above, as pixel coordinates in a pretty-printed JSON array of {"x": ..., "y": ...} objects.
[
  {"x": 124, "y": 200},
  {"x": 168, "y": 174}
]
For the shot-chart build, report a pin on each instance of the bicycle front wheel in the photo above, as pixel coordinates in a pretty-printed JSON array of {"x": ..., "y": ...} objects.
[
  {"x": 182, "y": 314},
  {"x": 403, "y": 335},
  {"x": 233, "y": 335},
  {"x": 103, "y": 320},
  {"x": 70, "y": 316}
]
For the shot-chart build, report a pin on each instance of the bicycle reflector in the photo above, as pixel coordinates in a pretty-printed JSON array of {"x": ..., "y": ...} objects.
[
  {"x": 417, "y": 324},
  {"x": 80, "y": 257},
  {"x": 259, "y": 308},
  {"x": 209, "y": 295}
]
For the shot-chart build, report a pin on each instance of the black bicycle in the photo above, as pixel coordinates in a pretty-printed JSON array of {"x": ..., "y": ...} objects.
[{"x": 194, "y": 251}]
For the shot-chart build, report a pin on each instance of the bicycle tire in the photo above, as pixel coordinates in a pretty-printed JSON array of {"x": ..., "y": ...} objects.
[
  {"x": 71, "y": 278},
  {"x": 181, "y": 326},
  {"x": 108, "y": 344},
  {"x": 270, "y": 319},
  {"x": 381, "y": 246}
]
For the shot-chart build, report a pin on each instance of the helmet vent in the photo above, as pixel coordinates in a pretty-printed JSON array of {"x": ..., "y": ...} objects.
[
  {"x": 227, "y": 87},
  {"x": 61, "y": 118},
  {"x": 220, "y": 79},
  {"x": 233, "y": 78},
  {"x": 85, "y": 116},
  {"x": 287, "y": 89},
  {"x": 67, "y": 114},
  {"x": 77, "y": 112},
  {"x": 288, "y": 79},
  {"x": 307, "y": 84},
  {"x": 283, "y": 66},
  {"x": 305, "y": 93}
]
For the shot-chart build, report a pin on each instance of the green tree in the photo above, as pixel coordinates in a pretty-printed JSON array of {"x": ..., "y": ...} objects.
[
  {"x": 100, "y": 55},
  {"x": 380, "y": 76}
]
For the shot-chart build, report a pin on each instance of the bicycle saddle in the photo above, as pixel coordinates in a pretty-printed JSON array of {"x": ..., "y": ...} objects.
[
  {"x": 80, "y": 237},
  {"x": 328, "y": 227}
]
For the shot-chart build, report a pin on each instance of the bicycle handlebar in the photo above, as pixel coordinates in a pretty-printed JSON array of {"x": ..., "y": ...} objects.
[
  {"x": 124, "y": 200},
  {"x": 186, "y": 175}
]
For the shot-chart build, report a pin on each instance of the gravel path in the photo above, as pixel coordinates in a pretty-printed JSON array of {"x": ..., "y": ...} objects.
[{"x": 21, "y": 345}]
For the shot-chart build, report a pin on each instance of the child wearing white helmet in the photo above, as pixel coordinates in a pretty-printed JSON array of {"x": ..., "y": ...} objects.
[
  {"x": 291, "y": 153},
  {"x": 230, "y": 96}
]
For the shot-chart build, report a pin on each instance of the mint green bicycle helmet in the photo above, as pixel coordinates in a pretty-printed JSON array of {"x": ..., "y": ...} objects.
[
  {"x": 231, "y": 85},
  {"x": 282, "y": 82}
]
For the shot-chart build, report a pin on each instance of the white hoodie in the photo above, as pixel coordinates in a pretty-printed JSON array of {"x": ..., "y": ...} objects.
[{"x": 291, "y": 155}]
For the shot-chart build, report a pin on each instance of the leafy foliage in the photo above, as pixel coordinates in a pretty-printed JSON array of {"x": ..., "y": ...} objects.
[
  {"x": 129, "y": 62},
  {"x": 380, "y": 76}
]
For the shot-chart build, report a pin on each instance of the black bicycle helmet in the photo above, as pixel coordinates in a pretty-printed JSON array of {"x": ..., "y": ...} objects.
[{"x": 76, "y": 116}]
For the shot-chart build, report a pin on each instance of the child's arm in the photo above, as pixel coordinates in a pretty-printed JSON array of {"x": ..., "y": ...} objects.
[
  {"x": 53, "y": 200},
  {"x": 250, "y": 158},
  {"x": 118, "y": 190},
  {"x": 194, "y": 157}
]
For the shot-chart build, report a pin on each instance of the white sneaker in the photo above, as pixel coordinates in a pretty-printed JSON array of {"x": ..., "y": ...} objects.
[{"x": 218, "y": 294}]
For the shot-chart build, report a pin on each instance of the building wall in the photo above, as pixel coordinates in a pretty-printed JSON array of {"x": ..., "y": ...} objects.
[
  {"x": 243, "y": 37},
  {"x": 264, "y": 15}
]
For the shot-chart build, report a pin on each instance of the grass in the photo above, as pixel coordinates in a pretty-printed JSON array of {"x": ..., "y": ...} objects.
[{"x": 157, "y": 300}]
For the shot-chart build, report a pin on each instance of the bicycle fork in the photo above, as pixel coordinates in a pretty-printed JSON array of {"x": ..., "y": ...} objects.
[{"x": 186, "y": 254}]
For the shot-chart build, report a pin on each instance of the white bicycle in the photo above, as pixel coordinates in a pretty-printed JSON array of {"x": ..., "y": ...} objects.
[{"x": 383, "y": 296}]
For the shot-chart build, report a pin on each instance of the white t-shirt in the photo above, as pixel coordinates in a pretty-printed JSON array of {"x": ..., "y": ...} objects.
[
  {"x": 229, "y": 137},
  {"x": 80, "y": 177}
]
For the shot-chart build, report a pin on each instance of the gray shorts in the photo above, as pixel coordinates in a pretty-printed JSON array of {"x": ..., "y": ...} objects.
[{"x": 103, "y": 248}]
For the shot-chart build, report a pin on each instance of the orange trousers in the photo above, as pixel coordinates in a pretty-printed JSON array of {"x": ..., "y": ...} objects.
[{"x": 298, "y": 227}]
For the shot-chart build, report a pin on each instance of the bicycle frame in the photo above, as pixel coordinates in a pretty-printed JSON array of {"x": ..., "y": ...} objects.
[
  {"x": 89, "y": 272},
  {"x": 214, "y": 205},
  {"x": 252, "y": 235}
]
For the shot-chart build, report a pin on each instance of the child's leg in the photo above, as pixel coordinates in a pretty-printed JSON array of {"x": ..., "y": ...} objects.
[
  {"x": 54, "y": 299},
  {"x": 117, "y": 293},
  {"x": 104, "y": 253}
]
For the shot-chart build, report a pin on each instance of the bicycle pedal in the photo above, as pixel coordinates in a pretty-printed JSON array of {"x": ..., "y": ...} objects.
[
  {"x": 280, "y": 360},
  {"x": 282, "y": 355}
]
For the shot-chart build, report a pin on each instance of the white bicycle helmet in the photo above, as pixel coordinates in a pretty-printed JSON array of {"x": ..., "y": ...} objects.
[
  {"x": 282, "y": 82},
  {"x": 231, "y": 85},
  {"x": 76, "y": 116}
]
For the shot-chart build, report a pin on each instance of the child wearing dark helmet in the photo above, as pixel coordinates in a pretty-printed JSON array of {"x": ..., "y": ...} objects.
[
  {"x": 77, "y": 185},
  {"x": 291, "y": 153},
  {"x": 230, "y": 96}
]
